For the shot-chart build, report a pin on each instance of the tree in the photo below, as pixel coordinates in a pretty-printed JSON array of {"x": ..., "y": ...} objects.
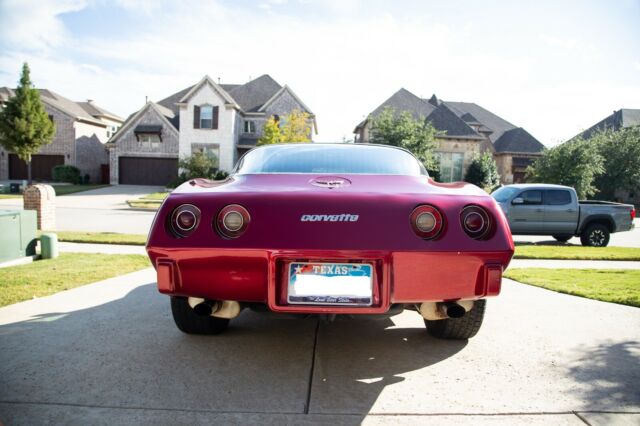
[
  {"x": 25, "y": 126},
  {"x": 404, "y": 131},
  {"x": 292, "y": 128},
  {"x": 483, "y": 172},
  {"x": 576, "y": 163},
  {"x": 621, "y": 153}
]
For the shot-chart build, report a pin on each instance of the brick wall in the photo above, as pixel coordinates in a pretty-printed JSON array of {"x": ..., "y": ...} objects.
[{"x": 42, "y": 199}]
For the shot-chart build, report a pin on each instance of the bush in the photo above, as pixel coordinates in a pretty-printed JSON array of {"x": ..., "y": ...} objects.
[
  {"x": 483, "y": 172},
  {"x": 198, "y": 165},
  {"x": 65, "y": 173}
]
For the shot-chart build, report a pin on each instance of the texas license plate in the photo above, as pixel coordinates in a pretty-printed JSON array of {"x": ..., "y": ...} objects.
[{"x": 330, "y": 284}]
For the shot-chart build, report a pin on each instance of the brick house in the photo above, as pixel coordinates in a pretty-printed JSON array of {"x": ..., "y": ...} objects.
[
  {"x": 223, "y": 120},
  {"x": 468, "y": 129},
  {"x": 82, "y": 129}
]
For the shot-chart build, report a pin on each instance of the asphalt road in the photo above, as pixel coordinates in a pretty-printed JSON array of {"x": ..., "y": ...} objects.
[{"x": 109, "y": 353}]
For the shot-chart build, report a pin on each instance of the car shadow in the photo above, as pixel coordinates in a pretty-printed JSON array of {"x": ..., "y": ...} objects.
[
  {"x": 128, "y": 354},
  {"x": 545, "y": 243}
]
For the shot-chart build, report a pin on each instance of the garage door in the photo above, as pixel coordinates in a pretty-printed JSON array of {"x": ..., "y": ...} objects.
[
  {"x": 41, "y": 166},
  {"x": 147, "y": 171}
]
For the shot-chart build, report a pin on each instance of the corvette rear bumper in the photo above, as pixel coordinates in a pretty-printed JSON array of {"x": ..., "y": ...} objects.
[{"x": 260, "y": 275}]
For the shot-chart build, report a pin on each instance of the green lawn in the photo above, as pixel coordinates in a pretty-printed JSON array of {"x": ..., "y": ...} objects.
[
  {"x": 576, "y": 252},
  {"x": 609, "y": 285},
  {"x": 102, "y": 238},
  {"x": 150, "y": 201},
  {"x": 45, "y": 277},
  {"x": 5, "y": 196}
]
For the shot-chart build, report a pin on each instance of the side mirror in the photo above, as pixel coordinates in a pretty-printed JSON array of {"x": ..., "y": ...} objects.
[{"x": 517, "y": 200}]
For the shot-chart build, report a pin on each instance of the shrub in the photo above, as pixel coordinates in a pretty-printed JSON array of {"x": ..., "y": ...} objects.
[
  {"x": 66, "y": 173},
  {"x": 483, "y": 172},
  {"x": 198, "y": 165}
]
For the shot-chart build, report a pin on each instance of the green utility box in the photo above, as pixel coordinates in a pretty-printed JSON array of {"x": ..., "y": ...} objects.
[
  {"x": 49, "y": 245},
  {"x": 17, "y": 234}
]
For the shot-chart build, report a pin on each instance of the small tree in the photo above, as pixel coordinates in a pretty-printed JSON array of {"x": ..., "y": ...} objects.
[
  {"x": 483, "y": 172},
  {"x": 404, "y": 131},
  {"x": 199, "y": 165},
  {"x": 292, "y": 128},
  {"x": 576, "y": 163},
  {"x": 620, "y": 151},
  {"x": 25, "y": 126},
  {"x": 270, "y": 133}
]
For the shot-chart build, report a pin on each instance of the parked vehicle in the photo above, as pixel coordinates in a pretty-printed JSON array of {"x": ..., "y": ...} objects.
[
  {"x": 329, "y": 229},
  {"x": 544, "y": 209}
]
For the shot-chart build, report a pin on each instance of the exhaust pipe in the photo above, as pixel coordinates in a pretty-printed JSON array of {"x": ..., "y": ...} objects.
[
  {"x": 205, "y": 308},
  {"x": 212, "y": 308},
  {"x": 452, "y": 309}
]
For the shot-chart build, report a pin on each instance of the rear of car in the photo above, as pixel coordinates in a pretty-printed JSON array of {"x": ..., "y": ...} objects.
[{"x": 330, "y": 230}]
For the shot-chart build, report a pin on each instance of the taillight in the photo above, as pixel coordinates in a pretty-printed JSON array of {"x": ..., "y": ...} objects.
[
  {"x": 476, "y": 222},
  {"x": 633, "y": 214},
  {"x": 184, "y": 220},
  {"x": 232, "y": 221},
  {"x": 427, "y": 222}
]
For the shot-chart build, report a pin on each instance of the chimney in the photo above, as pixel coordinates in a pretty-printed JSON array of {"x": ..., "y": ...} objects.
[
  {"x": 434, "y": 100},
  {"x": 146, "y": 99},
  {"x": 90, "y": 101},
  {"x": 218, "y": 80}
]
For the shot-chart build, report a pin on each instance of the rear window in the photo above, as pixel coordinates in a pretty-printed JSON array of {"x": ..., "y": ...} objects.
[
  {"x": 330, "y": 159},
  {"x": 557, "y": 197},
  {"x": 532, "y": 197}
]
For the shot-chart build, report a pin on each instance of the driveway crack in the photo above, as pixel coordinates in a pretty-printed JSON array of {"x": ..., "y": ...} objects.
[{"x": 311, "y": 369}]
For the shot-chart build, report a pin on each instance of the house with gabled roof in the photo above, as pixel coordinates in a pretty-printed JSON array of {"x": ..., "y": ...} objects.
[
  {"x": 221, "y": 120},
  {"x": 622, "y": 118},
  {"x": 466, "y": 129},
  {"x": 82, "y": 129}
]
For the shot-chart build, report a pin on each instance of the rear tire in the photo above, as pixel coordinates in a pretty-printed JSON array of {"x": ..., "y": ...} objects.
[
  {"x": 459, "y": 328},
  {"x": 191, "y": 323},
  {"x": 561, "y": 238},
  {"x": 596, "y": 235}
]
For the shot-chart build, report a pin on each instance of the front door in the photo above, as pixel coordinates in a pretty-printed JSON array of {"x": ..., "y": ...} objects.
[{"x": 527, "y": 217}]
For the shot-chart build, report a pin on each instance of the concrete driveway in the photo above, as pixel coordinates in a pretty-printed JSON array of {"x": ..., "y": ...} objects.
[
  {"x": 109, "y": 353},
  {"x": 619, "y": 239},
  {"x": 99, "y": 210}
]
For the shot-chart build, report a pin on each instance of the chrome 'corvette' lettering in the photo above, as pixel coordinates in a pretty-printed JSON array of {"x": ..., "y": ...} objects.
[{"x": 329, "y": 217}]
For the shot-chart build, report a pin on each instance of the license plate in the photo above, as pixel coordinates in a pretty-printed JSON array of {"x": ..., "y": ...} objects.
[{"x": 330, "y": 284}]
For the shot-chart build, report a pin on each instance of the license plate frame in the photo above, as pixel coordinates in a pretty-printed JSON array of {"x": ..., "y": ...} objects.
[{"x": 353, "y": 288}]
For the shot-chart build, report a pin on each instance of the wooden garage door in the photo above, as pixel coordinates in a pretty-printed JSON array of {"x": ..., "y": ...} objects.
[
  {"x": 41, "y": 166},
  {"x": 147, "y": 171}
]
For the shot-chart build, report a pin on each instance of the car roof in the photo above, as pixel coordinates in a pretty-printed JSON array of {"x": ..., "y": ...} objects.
[{"x": 537, "y": 186}]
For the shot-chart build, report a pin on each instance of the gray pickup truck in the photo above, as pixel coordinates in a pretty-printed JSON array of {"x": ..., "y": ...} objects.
[{"x": 543, "y": 209}]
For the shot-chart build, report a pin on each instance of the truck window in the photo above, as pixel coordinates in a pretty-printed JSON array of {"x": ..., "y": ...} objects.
[
  {"x": 532, "y": 197},
  {"x": 557, "y": 197}
]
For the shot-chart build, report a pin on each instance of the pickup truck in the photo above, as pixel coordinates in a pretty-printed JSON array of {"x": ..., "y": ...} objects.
[{"x": 544, "y": 209}]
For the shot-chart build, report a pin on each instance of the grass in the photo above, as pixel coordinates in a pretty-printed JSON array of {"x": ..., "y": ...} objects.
[
  {"x": 576, "y": 252},
  {"x": 102, "y": 238},
  {"x": 150, "y": 201},
  {"x": 608, "y": 285},
  {"x": 45, "y": 277},
  {"x": 62, "y": 190}
]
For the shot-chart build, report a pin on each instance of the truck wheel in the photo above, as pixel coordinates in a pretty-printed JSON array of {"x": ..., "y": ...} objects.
[
  {"x": 595, "y": 235},
  {"x": 459, "y": 328},
  {"x": 191, "y": 323},
  {"x": 562, "y": 238}
]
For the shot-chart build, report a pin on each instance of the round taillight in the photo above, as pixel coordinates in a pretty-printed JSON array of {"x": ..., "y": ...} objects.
[
  {"x": 476, "y": 222},
  {"x": 232, "y": 221},
  {"x": 185, "y": 220},
  {"x": 427, "y": 222}
]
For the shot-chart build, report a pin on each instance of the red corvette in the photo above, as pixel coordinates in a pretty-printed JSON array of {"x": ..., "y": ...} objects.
[{"x": 329, "y": 229}]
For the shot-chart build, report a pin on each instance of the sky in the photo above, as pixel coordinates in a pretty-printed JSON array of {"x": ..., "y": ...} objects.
[{"x": 552, "y": 67}]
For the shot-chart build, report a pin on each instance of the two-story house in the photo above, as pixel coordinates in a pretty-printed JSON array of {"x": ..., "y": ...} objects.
[
  {"x": 467, "y": 129},
  {"x": 82, "y": 129},
  {"x": 222, "y": 120}
]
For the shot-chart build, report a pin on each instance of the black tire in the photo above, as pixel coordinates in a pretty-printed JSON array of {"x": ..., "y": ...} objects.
[
  {"x": 459, "y": 328},
  {"x": 596, "y": 235},
  {"x": 191, "y": 323},
  {"x": 561, "y": 238}
]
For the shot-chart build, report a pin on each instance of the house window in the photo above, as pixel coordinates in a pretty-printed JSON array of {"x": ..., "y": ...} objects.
[
  {"x": 206, "y": 117},
  {"x": 451, "y": 166},
  {"x": 249, "y": 126},
  {"x": 213, "y": 152},
  {"x": 149, "y": 140}
]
